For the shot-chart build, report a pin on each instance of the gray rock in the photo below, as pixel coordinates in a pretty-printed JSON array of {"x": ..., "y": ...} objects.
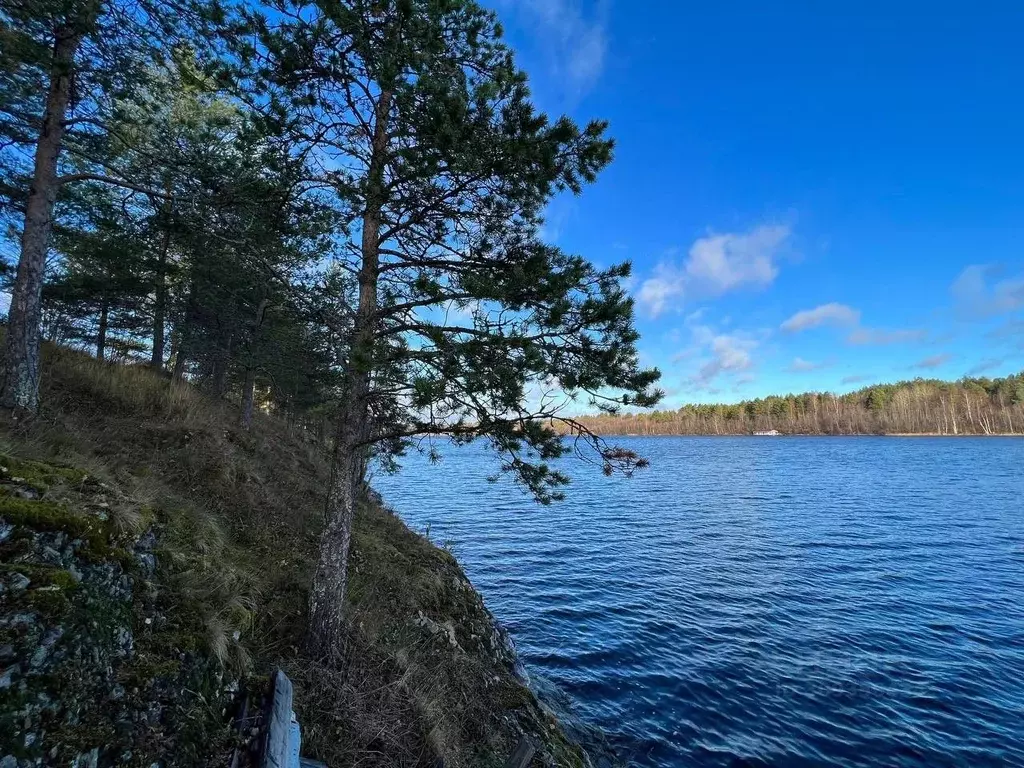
[
  {"x": 124, "y": 640},
  {"x": 147, "y": 562},
  {"x": 43, "y": 651},
  {"x": 50, "y": 555},
  {"x": 7, "y": 678},
  {"x": 88, "y": 759},
  {"x": 9, "y": 762},
  {"x": 19, "y": 582},
  {"x": 5, "y": 530},
  {"x": 6, "y": 652}
]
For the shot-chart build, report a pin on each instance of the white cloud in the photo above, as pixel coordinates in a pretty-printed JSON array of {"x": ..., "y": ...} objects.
[
  {"x": 880, "y": 336},
  {"x": 715, "y": 265},
  {"x": 831, "y": 314},
  {"x": 855, "y": 379},
  {"x": 978, "y": 295},
  {"x": 720, "y": 263},
  {"x": 575, "y": 42},
  {"x": 667, "y": 285},
  {"x": 935, "y": 361},
  {"x": 729, "y": 353},
  {"x": 843, "y": 316}
]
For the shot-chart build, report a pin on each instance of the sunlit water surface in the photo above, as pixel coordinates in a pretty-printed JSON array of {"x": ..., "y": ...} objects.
[{"x": 762, "y": 601}]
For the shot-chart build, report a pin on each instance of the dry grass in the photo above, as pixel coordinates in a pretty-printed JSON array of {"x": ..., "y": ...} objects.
[{"x": 239, "y": 515}]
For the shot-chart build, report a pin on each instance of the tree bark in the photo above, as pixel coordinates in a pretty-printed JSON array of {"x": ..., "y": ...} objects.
[
  {"x": 327, "y": 598},
  {"x": 221, "y": 364},
  {"x": 249, "y": 385},
  {"x": 101, "y": 334},
  {"x": 248, "y": 394},
  {"x": 183, "y": 334},
  {"x": 160, "y": 305},
  {"x": 180, "y": 358},
  {"x": 20, "y": 386}
]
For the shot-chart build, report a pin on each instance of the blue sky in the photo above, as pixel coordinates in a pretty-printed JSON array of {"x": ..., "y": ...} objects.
[{"x": 812, "y": 198}]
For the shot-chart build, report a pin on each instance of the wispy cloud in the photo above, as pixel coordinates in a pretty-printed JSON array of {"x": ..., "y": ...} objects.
[
  {"x": 855, "y": 379},
  {"x": 715, "y": 265},
  {"x": 573, "y": 39},
  {"x": 667, "y": 285},
  {"x": 838, "y": 315},
  {"x": 881, "y": 336},
  {"x": 978, "y": 293},
  {"x": 721, "y": 355},
  {"x": 935, "y": 361},
  {"x": 1011, "y": 332},
  {"x": 799, "y": 365},
  {"x": 831, "y": 314},
  {"x": 985, "y": 365},
  {"x": 729, "y": 353}
]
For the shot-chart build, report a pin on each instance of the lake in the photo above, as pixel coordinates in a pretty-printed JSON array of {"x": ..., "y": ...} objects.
[{"x": 761, "y": 601}]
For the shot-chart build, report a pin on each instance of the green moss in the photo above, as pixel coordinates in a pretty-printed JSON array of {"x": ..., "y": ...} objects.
[
  {"x": 80, "y": 737},
  {"x": 143, "y": 670},
  {"x": 37, "y": 475},
  {"x": 175, "y": 639},
  {"x": 511, "y": 695},
  {"x": 48, "y": 516},
  {"x": 50, "y": 603},
  {"x": 42, "y": 575}
]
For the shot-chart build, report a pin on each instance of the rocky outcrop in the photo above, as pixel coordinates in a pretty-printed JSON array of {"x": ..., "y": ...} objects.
[{"x": 90, "y": 672}]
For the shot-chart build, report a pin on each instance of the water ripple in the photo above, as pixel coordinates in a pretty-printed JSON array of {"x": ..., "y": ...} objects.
[{"x": 779, "y": 602}]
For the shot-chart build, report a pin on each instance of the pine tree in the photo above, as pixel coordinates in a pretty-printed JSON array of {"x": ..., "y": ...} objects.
[
  {"x": 64, "y": 69},
  {"x": 99, "y": 284},
  {"x": 442, "y": 168}
]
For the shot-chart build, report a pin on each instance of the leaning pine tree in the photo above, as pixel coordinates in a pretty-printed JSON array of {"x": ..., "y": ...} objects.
[{"x": 466, "y": 323}]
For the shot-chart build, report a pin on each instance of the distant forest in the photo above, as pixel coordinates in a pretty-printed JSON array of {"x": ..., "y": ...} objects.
[{"x": 923, "y": 406}]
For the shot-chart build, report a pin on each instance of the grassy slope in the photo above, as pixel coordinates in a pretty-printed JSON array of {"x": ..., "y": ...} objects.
[{"x": 238, "y": 516}]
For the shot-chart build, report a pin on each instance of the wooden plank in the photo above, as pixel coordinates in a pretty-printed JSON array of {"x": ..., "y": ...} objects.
[
  {"x": 523, "y": 755},
  {"x": 279, "y": 723}
]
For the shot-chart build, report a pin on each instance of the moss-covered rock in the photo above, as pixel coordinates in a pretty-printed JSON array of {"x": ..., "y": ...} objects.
[
  {"x": 94, "y": 660},
  {"x": 37, "y": 475}
]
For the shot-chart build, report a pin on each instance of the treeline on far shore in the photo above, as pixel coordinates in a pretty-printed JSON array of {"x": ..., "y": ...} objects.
[{"x": 970, "y": 406}]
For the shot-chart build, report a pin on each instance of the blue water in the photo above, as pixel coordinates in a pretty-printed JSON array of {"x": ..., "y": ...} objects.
[{"x": 762, "y": 601}]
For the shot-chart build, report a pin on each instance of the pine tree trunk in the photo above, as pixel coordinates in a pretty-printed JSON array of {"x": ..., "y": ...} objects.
[
  {"x": 327, "y": 597},
  {"x": 160, "y": 305},
  {"x": 249, "y": 385},
  {"x": 183, "y": 334},
  {"x": 180, "y": 358},
  {"x": 101, "y": 334},
  {"x": 20, "y": 386},
  {"x": 221, "y": 364},
  {"x": 248, "y": 393}
]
